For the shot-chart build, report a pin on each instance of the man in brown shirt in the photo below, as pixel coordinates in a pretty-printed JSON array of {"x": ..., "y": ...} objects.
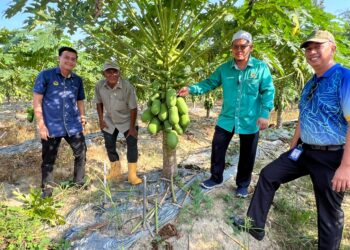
[{"x": 116, "y": 105}]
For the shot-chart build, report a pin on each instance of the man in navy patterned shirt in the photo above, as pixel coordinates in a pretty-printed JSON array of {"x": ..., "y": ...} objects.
[
  {"x": 58, "y": 100},
  {"x": 320, "y": 147}
]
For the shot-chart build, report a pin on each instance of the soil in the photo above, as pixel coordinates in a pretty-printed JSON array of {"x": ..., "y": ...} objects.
[{"x": 21, "y": 170}]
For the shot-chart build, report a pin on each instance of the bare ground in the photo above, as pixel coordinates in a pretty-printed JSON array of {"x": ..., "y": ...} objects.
[{"x": 211, "y": 231}]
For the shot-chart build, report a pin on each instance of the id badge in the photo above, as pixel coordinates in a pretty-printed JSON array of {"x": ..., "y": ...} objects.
[{"x": 295, "y": 153}]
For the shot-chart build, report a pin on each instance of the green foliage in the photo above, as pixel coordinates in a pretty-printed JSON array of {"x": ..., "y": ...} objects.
[
  {"x": 208, "y": 102},
  {"x": 18, "y": 230},
  {"x": 153, "y": 40},
  {"x": 30, "y": 114},
  {"x": 298, "y": 222},
  {"x": 278, "y": 28},
  {"x": 25, "y": 53},
  {"x": 45, "y": 209},
  {"x": 199, "y": 206}
]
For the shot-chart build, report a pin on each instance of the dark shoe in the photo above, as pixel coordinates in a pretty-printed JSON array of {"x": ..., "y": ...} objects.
[
  {"x": 210, "y": 184},
  {"x": 243, "y": 225},
  {"x": 242, "y": 192},
  {"x": 78, "y": 185},
  {"x": 46, "y": 192},
  {"x": 82, "y": 185}
]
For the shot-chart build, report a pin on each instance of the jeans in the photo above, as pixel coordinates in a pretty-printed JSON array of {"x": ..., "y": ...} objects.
[
  {"x": 111, "y": 146},
  {"x": 248, "y": 145},
  {"x": 49, "y": 155},
  {"x": 320, "y": 166}
]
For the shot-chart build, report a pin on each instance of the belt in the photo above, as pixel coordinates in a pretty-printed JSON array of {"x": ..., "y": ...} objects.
[{"x": 323, "y": 148}]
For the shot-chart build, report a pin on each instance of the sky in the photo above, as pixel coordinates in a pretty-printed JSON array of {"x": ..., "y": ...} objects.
[{"x": 332, "y": 6}]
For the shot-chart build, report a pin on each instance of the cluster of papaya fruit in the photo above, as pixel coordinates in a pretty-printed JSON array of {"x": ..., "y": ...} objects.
[
  {"x": 169, "y": 112},
  {"x": 30, "y": 114}
]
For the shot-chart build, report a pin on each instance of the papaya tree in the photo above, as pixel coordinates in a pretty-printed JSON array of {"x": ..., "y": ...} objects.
[
  {"x": 278, "y": 28},
  {"x": 23, "y": 55},
  {"x": 157, "y": 39},
  {"x": 162, "y": 37}
]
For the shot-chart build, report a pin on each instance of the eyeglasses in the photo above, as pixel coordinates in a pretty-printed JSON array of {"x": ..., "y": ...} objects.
[
  {"x": 240, "y": 47},
  {"x": 312, "y": 91}
]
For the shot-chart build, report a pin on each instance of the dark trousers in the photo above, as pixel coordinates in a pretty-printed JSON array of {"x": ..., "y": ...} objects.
[
  {"x": 49, "y": 155},
  {"x": 111, "y": 146},
  {"x": 321, "y": 166},
  {"x": 247, "y": 152}
]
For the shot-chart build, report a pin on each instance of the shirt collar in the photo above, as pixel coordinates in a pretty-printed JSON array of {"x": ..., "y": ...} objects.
[
  {"x": 119, "y": 84},
  {"x": 249, "y": 63},
  {"x": 58, "y": 71},
  {"x": 330, "y": 71}
]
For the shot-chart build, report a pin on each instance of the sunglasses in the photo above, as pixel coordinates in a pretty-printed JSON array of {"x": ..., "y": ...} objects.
[{"x": 240, "y": 47}]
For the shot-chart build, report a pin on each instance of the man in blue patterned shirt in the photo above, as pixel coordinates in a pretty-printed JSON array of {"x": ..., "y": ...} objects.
[
  {"x": 320, "y": 147},
  {"x": 58, "y": 100}
]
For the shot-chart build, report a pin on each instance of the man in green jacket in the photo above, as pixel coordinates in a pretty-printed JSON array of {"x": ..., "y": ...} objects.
[{"x": 248, "y": 94}]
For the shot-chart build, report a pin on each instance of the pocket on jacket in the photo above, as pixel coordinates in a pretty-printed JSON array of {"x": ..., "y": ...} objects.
[{"x": 252, "y": 87}]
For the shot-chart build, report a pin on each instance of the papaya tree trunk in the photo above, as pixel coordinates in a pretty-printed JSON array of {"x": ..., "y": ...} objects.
[
  {"x": 169, "y": 160},
  {"x": 279, "y": 118},
  {"x": 279, "y": 106},
  {"x": 208, "y": 113}
]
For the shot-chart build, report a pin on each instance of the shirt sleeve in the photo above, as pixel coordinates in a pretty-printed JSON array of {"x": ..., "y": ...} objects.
[
  {"x": 206, "y": 85},
  {"x": 81, "y": 92},
  {"x": 132, "y": 99},
  {"x": 97, "y": 97},
  {"x": 267, "y": 92},
  {"x": 345, "y": 95},
  {"x": 40, "y": 84}
]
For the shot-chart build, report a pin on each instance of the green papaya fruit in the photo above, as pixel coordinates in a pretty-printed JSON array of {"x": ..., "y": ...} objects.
[
  {"x": 174, "y": 115},
  {"x": 155, "y": 108},
  {"x": 172, "y": 139},
  {"x": 167, "y": 126},
  {"x": 182, "y": 106},
  {"x": 146, "y": 115},
  {"x": 30, "y": 114},
  {"x": 170, "y": 98},
  {"x": 163, "y": 113},
  {"x": 30, "y": 117},
  {"x": 184, "y": 121},
  {"x": 154, "y": 126},
  {"x": 178, "y": 129},
  {"x": 155, "y": 96}
]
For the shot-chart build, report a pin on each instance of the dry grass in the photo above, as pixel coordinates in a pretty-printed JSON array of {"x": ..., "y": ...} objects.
[{"x": 205, "y": 233}]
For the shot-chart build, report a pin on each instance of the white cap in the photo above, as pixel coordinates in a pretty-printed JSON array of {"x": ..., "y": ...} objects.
[{"x": 242, "y": 35}]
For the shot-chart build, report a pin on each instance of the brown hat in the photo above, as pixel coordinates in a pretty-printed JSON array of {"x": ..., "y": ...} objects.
[
  {"x": 319, "y": 36},
  {"x": 110, "y": 65}
]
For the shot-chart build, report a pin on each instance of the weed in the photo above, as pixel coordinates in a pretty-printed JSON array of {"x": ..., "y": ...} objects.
[
  {"x": 298, "y": 223},
  {"x": 106, "y": 189},
  {"x": 201, "y": 203},
  {"x": 45, "y": 209},
  {"x": 227, "y": 197},
  {"x": 233, "y": 148},
  {"x": 3, "y": 196},
  {"x": 62, "y": 245},
  {"x": 20, "y": 231},
  {"x": 245, "y": 228}
]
